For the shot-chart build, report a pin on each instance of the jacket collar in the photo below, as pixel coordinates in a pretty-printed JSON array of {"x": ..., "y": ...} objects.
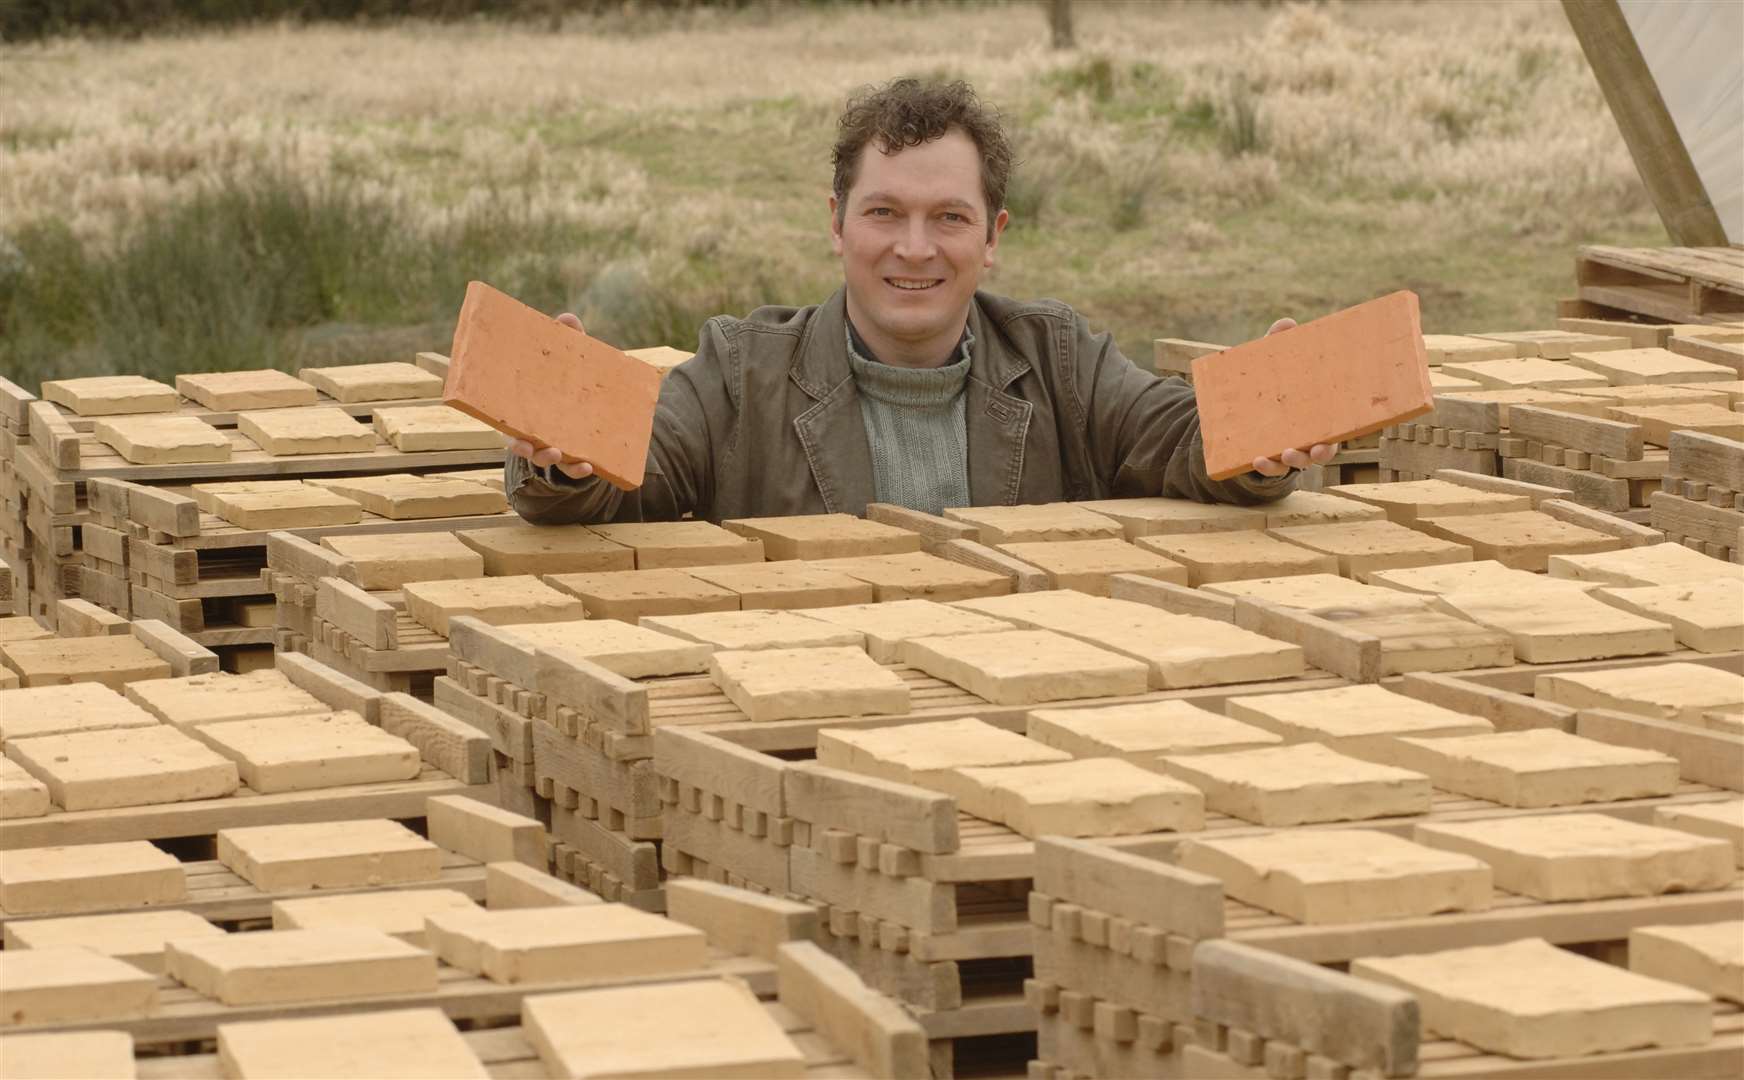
[{"x": 820, "y": 363}]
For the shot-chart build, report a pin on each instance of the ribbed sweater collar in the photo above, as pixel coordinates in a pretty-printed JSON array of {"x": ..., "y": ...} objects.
[{"x": 922, "y": 387}]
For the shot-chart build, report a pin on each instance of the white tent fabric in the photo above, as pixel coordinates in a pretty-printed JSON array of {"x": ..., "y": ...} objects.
[{"x": 1695, "y": 52}]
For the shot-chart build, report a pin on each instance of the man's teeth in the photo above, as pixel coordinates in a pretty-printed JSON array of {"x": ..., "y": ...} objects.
[{"x": 903, "y": 284}]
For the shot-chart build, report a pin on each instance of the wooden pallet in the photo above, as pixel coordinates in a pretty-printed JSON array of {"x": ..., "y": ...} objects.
[
  {"x": 52, "y": 456},
  {"x": 1680, "y": 285},
  {"x": 1136, "y": 1046},
  {"x": 844, "y": 1029},
  {"x": 218, "y": 895},
  {"x": 452, "y": 767},
  {"x": 507, "y": 1054},
  {"x": 1122, "y": 944}
]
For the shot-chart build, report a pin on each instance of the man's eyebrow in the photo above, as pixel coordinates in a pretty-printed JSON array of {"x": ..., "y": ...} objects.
[{"x": 886, "y": 197}]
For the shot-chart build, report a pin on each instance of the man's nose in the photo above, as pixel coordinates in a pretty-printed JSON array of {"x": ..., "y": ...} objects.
[{"x": 916, "y": 242}]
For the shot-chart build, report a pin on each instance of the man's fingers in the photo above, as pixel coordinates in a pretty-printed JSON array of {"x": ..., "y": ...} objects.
[
  {"x": 1321, "y": 453},
  {"x": 1269, "y": 467},
  {"x": 522, "y": 448},
  {"x": 570, "y": 321},
  {"x": 575, "y": 470},
  {"x": 1296, "y": 459},
  {"x": 1280, "y": 326},
  {"x": 547, "y": 455}
]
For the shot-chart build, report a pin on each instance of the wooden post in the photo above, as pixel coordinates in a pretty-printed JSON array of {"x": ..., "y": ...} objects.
[{"x": 1660, "y": 155}]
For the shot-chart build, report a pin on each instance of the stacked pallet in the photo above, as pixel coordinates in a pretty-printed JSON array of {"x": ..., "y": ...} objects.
[
  {"x": 1701, "y": 501},
  {"x": 922, "y": 878},
  {"x": 1149, "y": 958},
  {"x": 128, "y": 745},
  {"x": 235, "y": 429},
  {"x": 14, "y": 537},
  {"x": 1676, "y": 284},
  {"x": 1497, "y": 371},
  {"x": 381, "y": 941}
]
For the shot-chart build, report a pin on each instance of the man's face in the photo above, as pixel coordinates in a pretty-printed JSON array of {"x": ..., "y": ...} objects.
[{"x": 914, "y": 241}]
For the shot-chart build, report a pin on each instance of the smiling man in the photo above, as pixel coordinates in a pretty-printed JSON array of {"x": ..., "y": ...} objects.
[{"x": 909, "y": 385}]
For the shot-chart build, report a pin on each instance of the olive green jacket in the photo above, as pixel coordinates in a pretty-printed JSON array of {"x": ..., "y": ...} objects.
[{"x": 765, "y": 420}]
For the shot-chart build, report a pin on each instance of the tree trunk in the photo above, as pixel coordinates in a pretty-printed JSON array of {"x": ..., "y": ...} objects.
[{"x": 1060, "y": 22}]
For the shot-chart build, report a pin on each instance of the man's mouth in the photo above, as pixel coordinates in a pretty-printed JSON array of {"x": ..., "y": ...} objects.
[{"x": 913, "y": 284}]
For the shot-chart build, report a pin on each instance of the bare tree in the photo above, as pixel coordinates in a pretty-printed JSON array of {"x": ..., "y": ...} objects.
[{"x": 1060, "y": 22}]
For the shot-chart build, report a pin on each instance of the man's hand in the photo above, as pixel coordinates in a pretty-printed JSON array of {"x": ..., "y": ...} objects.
[
  {"x": 541, "y": 455},
  {"x": 1318, "y": 454}
]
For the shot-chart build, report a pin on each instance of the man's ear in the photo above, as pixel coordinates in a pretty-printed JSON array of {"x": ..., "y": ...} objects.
[
  {"x": 1000, "y": 221},
  {"x": 835, "y": 227}
]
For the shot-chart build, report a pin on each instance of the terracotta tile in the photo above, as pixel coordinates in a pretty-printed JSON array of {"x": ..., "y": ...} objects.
[
  {"x": 1338, "y": 377},
  {"x": 529, "y": 376}
]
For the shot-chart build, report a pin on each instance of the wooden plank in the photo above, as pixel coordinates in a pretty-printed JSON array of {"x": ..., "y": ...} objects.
[
  {"x": 290, "y": 554},
  {"x": 484, "y": 832},
  {"x": 1729, "y": 353},
  {"x": 81, "y": 618},
  {"x": 1178, "y": 599},
  {"x": 912, "y": 902},
  {"x": 1146, "y": 891},
  {"x": 15, "y": 402},
  {"x": 1611, "y": 438},
  {"x": 53, "y": 437},
  {"x": 1561, "y": 923},
  {"x": 933, "y": 529},
  {"x": 1586, "y": 487},
  {"x": 183, "y": 655},
  {"x": 333, "y": 688},
  {"x": 1574, "y": 513},
  {"x": 1707, "y": 757},
  {"x": 511, "y": 734},
  {"x": 1507, "y": 711},
  {"x": 566, "y": 677},
  {"x": 107, "y": 498},
  {"x": 750, "y": 779},
  {"x": 1025, "y": 578},
  {"x": 449, "y": 744},
  {"x": 1701, "y": 456},
  {"x": 1356, "y": 1022},
  {"x": 1325, "y": 644},
  {"x": 177, "y": 566},
  {"x": 356, "y": 612},
  {"x": 185, "y": 1015},
  {"x": 165, "y": 511},
  {"x": 1175, "y": 356},
  {"x": 867, "y": 806},
  {"x": 1660, "y": 155},
  {"x": 399, "y": 799},
  {"x": 503, "y": 655},
  {"x": 877, "y": 1034},
  {"x": 1538, "y": 493},
  {"x": 739, "y": 920}
]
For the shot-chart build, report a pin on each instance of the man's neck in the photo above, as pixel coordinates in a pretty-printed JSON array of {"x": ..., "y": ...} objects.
[{"x": 932, "y": 352}]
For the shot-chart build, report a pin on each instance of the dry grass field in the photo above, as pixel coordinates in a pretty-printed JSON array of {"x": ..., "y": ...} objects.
[{"x": 228, "y": 199}]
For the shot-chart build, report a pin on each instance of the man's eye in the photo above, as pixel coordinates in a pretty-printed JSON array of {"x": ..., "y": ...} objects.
[
  {"x": 880, "y": 211},
  {"x": 953, "y": 217}
]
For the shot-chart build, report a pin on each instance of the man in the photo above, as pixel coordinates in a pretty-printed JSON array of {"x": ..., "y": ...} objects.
[{"x": 908, "y": 385}]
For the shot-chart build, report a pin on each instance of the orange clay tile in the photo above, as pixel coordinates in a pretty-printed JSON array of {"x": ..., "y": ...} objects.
[
  {"x": 533, "y": 378},
  {"x": 1338, "y": 377}
]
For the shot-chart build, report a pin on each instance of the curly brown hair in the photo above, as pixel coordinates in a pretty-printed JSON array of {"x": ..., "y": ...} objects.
[{"x": 909, "y": 112}]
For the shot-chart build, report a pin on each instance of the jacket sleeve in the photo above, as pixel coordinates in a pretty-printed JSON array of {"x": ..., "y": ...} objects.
[
  {"x": 695, "y": 400},
  {"x": 1144, "y": 431}
]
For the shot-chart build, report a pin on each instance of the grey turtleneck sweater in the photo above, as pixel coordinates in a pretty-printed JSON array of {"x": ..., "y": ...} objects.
[{"x": 914, "y": 421}]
